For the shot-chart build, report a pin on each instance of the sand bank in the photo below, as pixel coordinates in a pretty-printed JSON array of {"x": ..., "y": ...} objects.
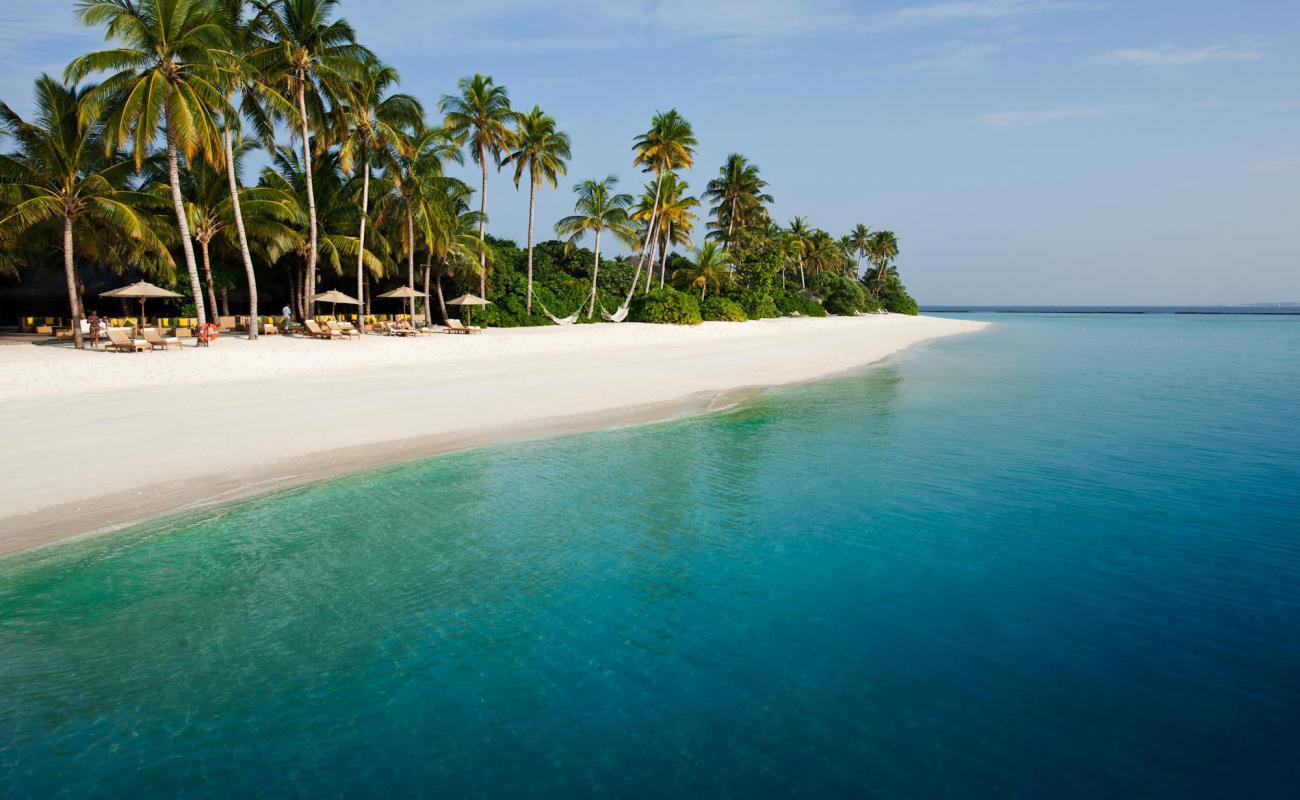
[{"x": 97, "y": 439}]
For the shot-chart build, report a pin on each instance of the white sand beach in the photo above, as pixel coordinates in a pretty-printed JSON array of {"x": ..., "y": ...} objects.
[{"x": 94, "y": 440}]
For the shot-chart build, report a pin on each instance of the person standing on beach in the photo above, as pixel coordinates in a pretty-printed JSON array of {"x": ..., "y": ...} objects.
[
  {"x": 93, "y": 322},
  {"x": 286, "y": 315}
]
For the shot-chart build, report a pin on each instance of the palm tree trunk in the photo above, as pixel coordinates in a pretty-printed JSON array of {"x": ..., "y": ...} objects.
[
  {"x": 731, "y": 223},
  {"x": 803, "y": 284},
  {"x": 309, "y": 289},
  {"x": 595, "y": 270},
  {"x": 70, "y": 272},
  {"x": 178, "y": 205},
  {"x": 442, "y": 302},
  {"x": 410, "y": 252},
  {"x": 654, "y": 211},
  {"x": 207, "y": 278},
  {"x": 482, "y": 220},
  {"x": 532, "y": 205},
  {"x": 428, "y": 309},
  {"x": 225, "y": 301},
  {"x": 663, "y": 261},
  {"x": 361, "y": 248},
  {"x": 243, "y": 236}
]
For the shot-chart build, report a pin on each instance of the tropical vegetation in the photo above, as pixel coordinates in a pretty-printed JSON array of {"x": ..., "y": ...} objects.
[{"x": 135, "y": 164}]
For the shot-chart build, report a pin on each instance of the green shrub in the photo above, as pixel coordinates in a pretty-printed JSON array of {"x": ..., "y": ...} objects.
[
  {"x": 666, "y": 306},
  {"x": 896, "y": 299},
  {"x": 840, "y": 295},
  {"x": 757, "y": 305},
  {"x": 722, "y": 310},
  {"x": 788, "y": 302}
]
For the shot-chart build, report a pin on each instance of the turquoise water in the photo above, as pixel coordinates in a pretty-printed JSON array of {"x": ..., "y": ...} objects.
[{"x": 1060, "y": 558}]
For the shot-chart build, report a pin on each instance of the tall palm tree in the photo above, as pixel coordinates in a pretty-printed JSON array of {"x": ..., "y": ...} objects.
[
  {"x": 708, "y": 271},
  {"x": 856, "y": 244},
  {"x": 480, "y": 116},
  {"x": 675, "y": 220},
  {"x": 668, "y": 145},
  {"x": 800, "y": 238},
  {"x": 261, "y": 102},
  {"x": 453, "y": 248},
  {"x": 167, "y": 70},
  {"x": 598, "y": 210},
  {"x": 882, "y": 248},
  {"x": 374, "y": 119},
  {"x": 312, "y": 57},
  {"x": 60, "y": 172},
  {"x": 414, "y": 165},
  {"x": 822, "y": 253},
  {"x": 542, "y": 151},
  {"x": 737, "y": 195}
]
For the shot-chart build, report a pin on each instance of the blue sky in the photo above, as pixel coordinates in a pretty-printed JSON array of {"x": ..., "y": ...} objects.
[{"x": 1025, "y": 151}]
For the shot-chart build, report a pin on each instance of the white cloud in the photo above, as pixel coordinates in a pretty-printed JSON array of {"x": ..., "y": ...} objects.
[
  {"x": 957, "y": 58},
  {"x": 960, "y": 11},
  {"x": 1014, "y": 119},
  {"x": 1173, "y": 57}
]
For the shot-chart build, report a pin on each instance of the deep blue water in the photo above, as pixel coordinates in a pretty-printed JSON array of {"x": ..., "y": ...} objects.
[{"x": 1059, "y": 558}]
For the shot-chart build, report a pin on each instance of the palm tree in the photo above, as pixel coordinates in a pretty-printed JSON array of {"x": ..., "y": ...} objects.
[
  {"x": 313, "y": 58},
  {"x": 737, "y": 195},
  {"x": 453, "y": 246},
  {"x": 167, "y": 70},
  {"x": 480, "y": 116},
  {"x": 668, "y": 145},
  {"x": 335, "y": 204},
  {"x": 800, "y": 237},
  {"x": 598, "y": 210},
  {"x": 60, "y": 173},
  {"x": 257, "y": 100},
  {"x": 882, "y": 248},
  {"x": 374, "y": 120},
  {"x": 414, "y": 166},
  {"x": 708, "y": 271},
  {"x": 542, "y": 151},
  {"x": 821, "y": 253},
  {"x": 676, "y": 218},
  {"x": 856, "y": 243}
]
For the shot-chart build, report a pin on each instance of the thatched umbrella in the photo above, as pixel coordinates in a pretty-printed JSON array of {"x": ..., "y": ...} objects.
[
  {"x": 404, "y": 293},
  {"x": 141, "y": 290},
  {"x": 334, "y": 297},
  {"x": 467, "y": 300}
]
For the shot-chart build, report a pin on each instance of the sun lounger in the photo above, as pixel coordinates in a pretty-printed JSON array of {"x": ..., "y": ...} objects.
[
  {"x": 315, "y": 331},
  {"x": 456, "y": 326},
  {"x": 120, "y": 342},
  {"x": 393, "y": 330},
  {"x": 157, "y": 340},
  {"x": 344, "y": 329}
]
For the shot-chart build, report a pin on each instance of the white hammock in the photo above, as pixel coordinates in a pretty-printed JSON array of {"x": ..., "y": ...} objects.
[
  {"x": 569, "y": 320},
  {"x": 617, "y": 316}
]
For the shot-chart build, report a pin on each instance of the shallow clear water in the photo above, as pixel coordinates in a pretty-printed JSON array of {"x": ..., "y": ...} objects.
[{"x": 1060, "y": 558}]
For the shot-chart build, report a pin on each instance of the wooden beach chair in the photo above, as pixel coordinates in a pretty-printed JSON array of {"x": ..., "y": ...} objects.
[
  {"x": 343, "y": 330},
  {"x": 456, "y": 326},
  {"x": 156, "y": 340},
  {"x": 315, "y": 331},
  {"x": 120, "y": 342}
]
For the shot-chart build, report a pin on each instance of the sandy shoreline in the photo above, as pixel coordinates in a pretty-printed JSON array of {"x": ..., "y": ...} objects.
[{"x": 99, "y": 440}]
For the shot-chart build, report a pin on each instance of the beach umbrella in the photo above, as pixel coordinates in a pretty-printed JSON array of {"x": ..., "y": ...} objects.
[
  {"x": 404, "y": 293},
  {"x": 334, "y": 297},
  {"x": 467, "y": 300},
  {"x": 142, "y": 291}
]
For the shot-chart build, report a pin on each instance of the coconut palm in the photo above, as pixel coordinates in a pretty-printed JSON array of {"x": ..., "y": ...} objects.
[
  {"x": 738, "y": 197},
  {"x": 676, "y": 218},
  {"x": 313, "y": 58},
  {"x": 668, "y": 145},
  {"x": 855, "y": 244},
  {"x": 414, "y": 165},
  {"x": 542, "y": 151},
  {"x": 822, "y": 253},
  {"x": 882, "y": 248},
  {"x": 60, "y": 173},
  {"x": 167, "y": 71},
  {"x": 453, "y": 249},
  {"x": 337, "y": 209},
  {"x": 709, "y": 271},
  {"x": 480, "y": 117},
  {"x": 598, "y": 210},
  {"x": 374, "y": 119},
  {"x": 800, "y": 235}
]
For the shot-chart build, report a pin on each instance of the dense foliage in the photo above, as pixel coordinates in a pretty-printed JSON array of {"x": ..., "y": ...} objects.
[{"x": 131, "y": 169}]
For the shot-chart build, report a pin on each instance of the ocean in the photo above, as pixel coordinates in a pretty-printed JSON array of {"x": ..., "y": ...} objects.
[{"x": 1056, "y": 558}]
